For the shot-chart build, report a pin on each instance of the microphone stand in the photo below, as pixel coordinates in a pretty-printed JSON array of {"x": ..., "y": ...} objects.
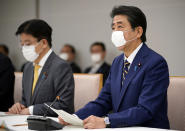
[
  {"x": 42, "y": 122},
  {"x": 46, "y": 112}
]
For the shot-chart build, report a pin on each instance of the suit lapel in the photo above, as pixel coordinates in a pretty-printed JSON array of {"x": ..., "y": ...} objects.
[
  {"x": 119, "y": 81},
  {"x": 29, "y": 85},
  {"x": 43, "y": 76},
  {"x": 120, "y": 75},
  {"x": 134, "y": 69}
]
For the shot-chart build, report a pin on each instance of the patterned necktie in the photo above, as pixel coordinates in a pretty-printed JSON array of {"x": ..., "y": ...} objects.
[
  {"x": 125, "y": 70},
  {"x": 36, "y": 75}
]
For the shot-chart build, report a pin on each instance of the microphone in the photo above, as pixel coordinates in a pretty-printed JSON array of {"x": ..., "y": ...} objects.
[
  {"x": 42, "y": 122},
  {"x": 57, "y": 98}
]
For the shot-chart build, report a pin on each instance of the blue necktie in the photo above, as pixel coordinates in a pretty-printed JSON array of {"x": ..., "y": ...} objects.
[{"x": 125, "y": 70}]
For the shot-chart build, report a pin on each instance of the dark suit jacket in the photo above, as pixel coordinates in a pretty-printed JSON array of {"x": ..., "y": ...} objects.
[
  {"x": 22, "y": 67},
  {"x": 142, "y": 101},
  {"x": 7, "y": 79},
  {"x": 55, "y": 79},
  {"x": 104, "y": 69},
  {"x": 75, "y": 68}
]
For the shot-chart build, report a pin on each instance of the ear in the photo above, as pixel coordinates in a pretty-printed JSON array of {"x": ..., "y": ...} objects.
[
  {"x": 139, "y": 31},
  {"x": 104, "y": 54},
  {"x": 45, "y": 43}
]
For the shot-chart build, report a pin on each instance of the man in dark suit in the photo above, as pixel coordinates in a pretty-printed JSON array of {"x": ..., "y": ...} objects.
[
  {"x": 98, "y": 53},
  {"x": 136, "y": 88},
  {"x": 7, "y": 79},
  {"x": 46, "y": 76},
  {"x": 68, "y": 53}
]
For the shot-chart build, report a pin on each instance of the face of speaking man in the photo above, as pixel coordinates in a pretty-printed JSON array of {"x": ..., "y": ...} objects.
[{"x": 132, "y": 36}]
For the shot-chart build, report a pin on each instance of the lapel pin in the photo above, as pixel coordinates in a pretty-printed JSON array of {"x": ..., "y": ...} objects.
[
  {"x": 135, "y": 68},
  {"x": 45, "y": 75},
  {"x": 139, "y": 64}
]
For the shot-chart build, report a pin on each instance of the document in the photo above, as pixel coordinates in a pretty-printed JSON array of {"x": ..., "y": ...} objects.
[
  {"x": 71, "y": 119},
  {"x": 2, "y": 114},
  {"x": 5, "y": 114}
]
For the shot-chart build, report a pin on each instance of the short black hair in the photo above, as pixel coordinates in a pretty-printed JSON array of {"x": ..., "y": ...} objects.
[
  {"x": 99, "y": 44},
  {"x": 5, "y": 48},
  {"x": 71, "y": 47},
  {"x": 37, "y": 28},
  {"x": 134, "y": 15}
]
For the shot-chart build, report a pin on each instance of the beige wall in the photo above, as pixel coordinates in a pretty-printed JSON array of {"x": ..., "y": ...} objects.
[
  {"x": 12, "y": 14},
  {"x": 81, "y": 22}
]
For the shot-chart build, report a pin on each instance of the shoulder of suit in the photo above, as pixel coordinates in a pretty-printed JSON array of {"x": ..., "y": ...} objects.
[
  {"x": 74, "y": 64},
  {"x": 105, "y": 64},
  {"x": 5, "y": 61},
  {"x": 87, "y": 69},
  {"x": 4, "y": 58},
  {"x": 154, "y": 56},
  {"x": 28, "y": 65},
  {"x": 118, "y": 58},
  {"x": 57, "y": 61}
]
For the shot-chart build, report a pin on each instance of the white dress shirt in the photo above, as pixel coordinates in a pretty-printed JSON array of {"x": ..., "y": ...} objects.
[
  {"x": 41, "y": 64},
  {"x": 95, "y": 67},
  {"x": 132, "y": 55}
]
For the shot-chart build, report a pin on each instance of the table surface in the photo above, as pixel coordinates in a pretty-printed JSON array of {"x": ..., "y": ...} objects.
[{"x": 11, "y": 120}]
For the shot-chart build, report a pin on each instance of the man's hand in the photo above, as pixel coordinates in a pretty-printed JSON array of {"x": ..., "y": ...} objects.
[
  {"x": 62, "y": 121},
  {"x": 25, "y": 111},
  {"x": 93, "y": 122},
  {"x": 16, "y": 108}
]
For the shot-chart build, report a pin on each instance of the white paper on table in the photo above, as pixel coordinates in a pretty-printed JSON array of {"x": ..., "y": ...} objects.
[
  {"x": 71, "y": 119},
  {"x": 12, "y": 120},
  {"x": 4, "y": 114}
]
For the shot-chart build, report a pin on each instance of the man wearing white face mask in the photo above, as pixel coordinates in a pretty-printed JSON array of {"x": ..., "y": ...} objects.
[
  {"x": 46, "y": 76},
  {"x": 136, "y": 89},
  {"x": 98, "y": 52},
  {"x": 68, "y": 53}
]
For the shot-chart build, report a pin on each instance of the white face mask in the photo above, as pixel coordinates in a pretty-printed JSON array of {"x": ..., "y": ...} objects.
[
  {"x": 29, "y": 53},
  {"x": 118, "y": 38},
  {"x": 96, "y": 57},
  {"x": 64, "y": 56}
]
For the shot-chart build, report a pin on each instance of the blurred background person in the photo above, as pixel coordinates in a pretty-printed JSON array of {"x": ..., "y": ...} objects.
[
  {"x": 68, "y": 53},
  {"x": 7, "y": 80},
  {"x": 98, "y": 53},
  {"x": 5, "y": 51}
]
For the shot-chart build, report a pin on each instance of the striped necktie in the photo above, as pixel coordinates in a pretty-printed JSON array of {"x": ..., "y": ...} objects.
[{"x": 125, "y": 70}]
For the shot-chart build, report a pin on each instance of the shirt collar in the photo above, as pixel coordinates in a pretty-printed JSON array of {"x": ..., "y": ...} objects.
[
  {"x": 44, "y": 59},
  {"x": 133, "y": 54}
]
